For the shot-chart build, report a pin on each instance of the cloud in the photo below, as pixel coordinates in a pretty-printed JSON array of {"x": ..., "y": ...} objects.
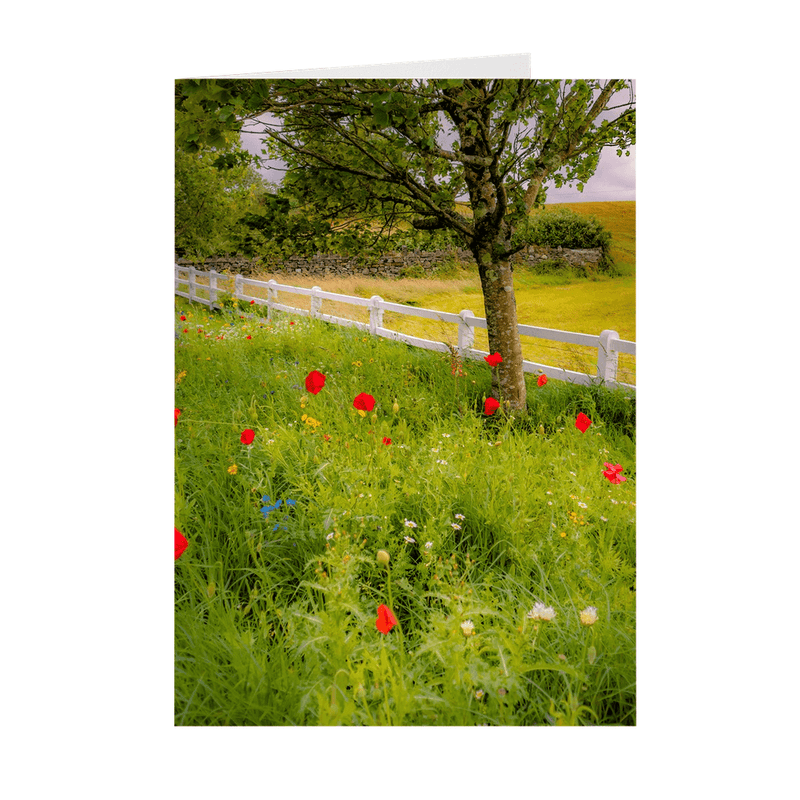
[{"x": 614, "y": 179}]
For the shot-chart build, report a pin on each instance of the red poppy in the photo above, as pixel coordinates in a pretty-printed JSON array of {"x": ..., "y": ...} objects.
[
  {"x": 183, "y": 318},
  {"x": 612, "y": 472},
  {"x": 314, "y": 382},
  {"x": 248, "y": 436},
  {"x": 493, "y": 360},
  {"x": 582, "y": 422},
  {"x": 252, "y": 301},
  {"x": 364, "y": 402},
  {"x": 386, "y": 440},
  {"x": 386, "y": 620},
  {"x": 490, "y": 406},
  {"x": 180, "y": 544},
  {"x": 186, "y": 330},
  {"x": 177, "y": 414},
  {"x": 542, "y": 380},
  {"x": 291, "y": 323},
  {"x": 248, "y": 337}
]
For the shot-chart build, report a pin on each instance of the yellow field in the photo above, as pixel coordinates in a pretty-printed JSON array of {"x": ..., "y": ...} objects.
[{"x": 584, "y": 306}]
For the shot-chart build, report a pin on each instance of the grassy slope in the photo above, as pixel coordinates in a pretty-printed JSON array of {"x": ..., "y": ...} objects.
[{"x": 275, "y": 609}]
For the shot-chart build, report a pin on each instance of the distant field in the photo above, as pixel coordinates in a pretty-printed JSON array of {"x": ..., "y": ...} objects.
[
  {"x": 572, "y": 304},
  {"x": 620, "y": 219}
]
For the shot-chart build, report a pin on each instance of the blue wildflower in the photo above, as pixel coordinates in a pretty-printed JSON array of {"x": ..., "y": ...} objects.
[{"x": 274, "y": 506}]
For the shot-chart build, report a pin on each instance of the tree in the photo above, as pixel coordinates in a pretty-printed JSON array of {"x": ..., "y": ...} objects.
[
  {"x": 407, "y": 149},
  {"x": 214, "y": 190}
]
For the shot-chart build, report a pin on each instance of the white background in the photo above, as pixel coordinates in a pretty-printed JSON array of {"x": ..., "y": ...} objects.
[{"x": 88, "y": 443}]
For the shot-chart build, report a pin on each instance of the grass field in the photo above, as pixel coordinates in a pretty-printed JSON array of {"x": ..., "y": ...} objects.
[
  {"x": 509, "y": 594},
  {"x": 550, "y": 301}
]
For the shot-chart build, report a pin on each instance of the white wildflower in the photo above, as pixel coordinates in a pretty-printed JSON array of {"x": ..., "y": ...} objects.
[
  {"x": 541, "y": 612},
  {"x": 589, "y": 616}
]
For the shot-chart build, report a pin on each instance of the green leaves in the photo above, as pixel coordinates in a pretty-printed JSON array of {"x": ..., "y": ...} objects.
[
  {"x": 380, "y": 117},
  {"x": 450, "y": 83},
  {"x": 213, "y": 191},
  {"x": 392, "y": 150},
  {"x": 392, "y": 108},
  {"x": 565, "y": 228}
]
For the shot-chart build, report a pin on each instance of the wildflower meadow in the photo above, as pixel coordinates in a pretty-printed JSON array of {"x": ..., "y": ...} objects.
[{"x": 362, "y": 537}]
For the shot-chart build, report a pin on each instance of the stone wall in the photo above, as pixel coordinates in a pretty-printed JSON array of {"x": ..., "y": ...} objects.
[{"x": 391, "y": 265}]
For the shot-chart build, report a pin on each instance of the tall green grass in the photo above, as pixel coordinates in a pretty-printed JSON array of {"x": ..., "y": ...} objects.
[{"x": 482, "y": 518}]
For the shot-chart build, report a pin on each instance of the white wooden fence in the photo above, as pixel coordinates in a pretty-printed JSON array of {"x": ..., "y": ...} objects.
[{"x": 608, "y": 343}]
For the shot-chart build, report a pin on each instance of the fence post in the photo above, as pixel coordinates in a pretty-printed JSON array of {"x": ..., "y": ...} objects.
[
  {"x": 316, "y": 302},
  {"x": 178, "y": 280},
  {"x": 375, "y": 314},
  {"x": 272, "y": 297},
  {"x": 238, "y": 287},
  {"x": 607, "y": 357},
  {"x": 212, "y": 289},
  {"x": 192, "y": 284},
  {"x": 466, "y": 333}
]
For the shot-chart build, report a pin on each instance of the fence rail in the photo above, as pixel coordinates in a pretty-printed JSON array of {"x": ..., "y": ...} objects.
[{"x": 608, "y": 344}]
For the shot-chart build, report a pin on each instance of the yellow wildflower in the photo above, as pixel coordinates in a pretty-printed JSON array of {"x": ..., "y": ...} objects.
[{"x": 233, "y": 469}]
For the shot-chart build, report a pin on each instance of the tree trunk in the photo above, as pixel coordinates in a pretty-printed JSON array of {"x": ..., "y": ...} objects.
[
  {"x": 488, "y": 201},
  {"x": 500, "y": 304}
]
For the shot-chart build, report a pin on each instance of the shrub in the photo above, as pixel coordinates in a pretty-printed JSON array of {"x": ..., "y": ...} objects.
[{"x": 565, "y": 228}]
